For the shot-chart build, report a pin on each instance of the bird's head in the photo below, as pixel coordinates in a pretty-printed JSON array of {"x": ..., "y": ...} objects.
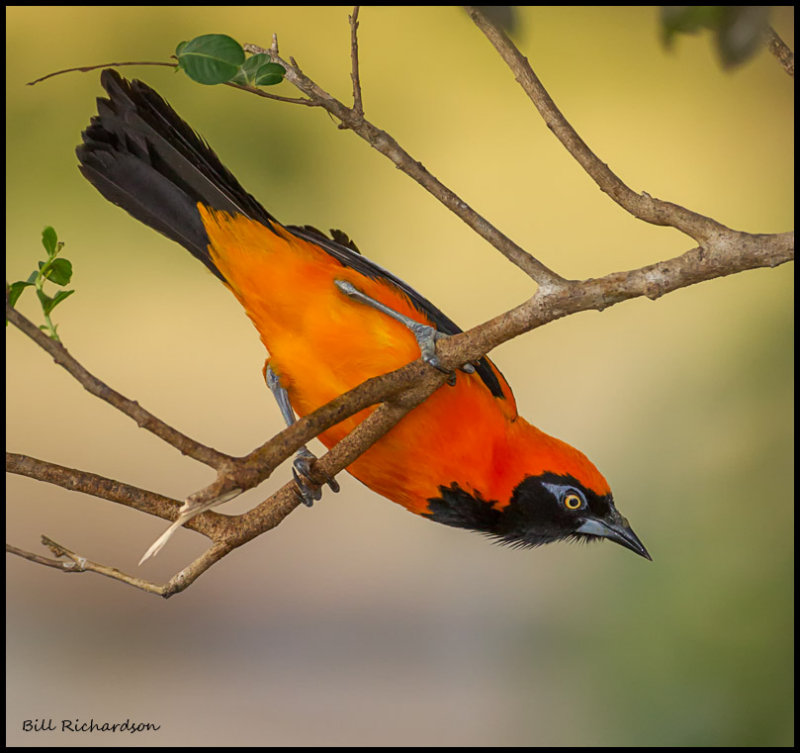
[
  {"x": 544, "y": 508},
  {"x": 552, "y": 507},
  {"x": 539, "y": 489}
]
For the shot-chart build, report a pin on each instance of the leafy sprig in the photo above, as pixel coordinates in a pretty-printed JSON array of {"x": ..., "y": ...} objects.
[{"x": 54, "y": 269}]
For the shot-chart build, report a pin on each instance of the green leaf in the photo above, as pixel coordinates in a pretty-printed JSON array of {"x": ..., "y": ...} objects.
[
  {"x": 50, "y": 241},
  {"x": 258, "y": 70},
  {"x": 59, "y": 271},
  {"x": 270, "y": 74},
  {"x": 211, "y": 58},
  {"x": 15, "y": 290},
  {"x": 46, "y": 301},
  {"x": 240, "y": 78},
  {"x": 247, "y": 73},
  {"x": 254, "y": 62},
  {"x": 60, "y": 296}
]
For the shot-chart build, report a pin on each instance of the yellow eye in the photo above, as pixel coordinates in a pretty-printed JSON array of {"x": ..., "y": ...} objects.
[{"x": 572, "y": 501}]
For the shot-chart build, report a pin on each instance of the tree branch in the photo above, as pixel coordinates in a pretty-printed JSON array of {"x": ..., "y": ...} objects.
[
  {"x": 781, "y": 51},
  {"x": 643, "y": 206},
  {"x": 211, "y": 525},
  {"x": 358, "y": 106},
  {"x": 233, "y": 472},
  {"x": 387, "y": 146},
  {"x": 722, "y": 251},
  {"x": 227, "y": 532},
  {"x": 697, "y": 265},
  {"x": 230, "y": 532}
]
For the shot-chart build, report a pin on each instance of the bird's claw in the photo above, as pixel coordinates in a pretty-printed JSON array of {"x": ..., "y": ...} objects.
[
  {"x": 308, "y": 491},
  {"x": 427, "y": 337}
]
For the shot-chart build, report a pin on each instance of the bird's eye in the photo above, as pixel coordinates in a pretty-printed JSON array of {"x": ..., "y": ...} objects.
[
  {"x": 570, "y": 498},
  {"x": 572, "y": 501}
]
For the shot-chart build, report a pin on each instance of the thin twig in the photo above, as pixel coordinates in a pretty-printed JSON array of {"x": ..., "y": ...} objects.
[
  {"x": 269, "y": 95},
  {"x": 39, "y": 560},
  {"x": 87, "y": 68},
  {"x": 781, "y": 51},
  {"x": 79, "y": 564},
  {"x": 358, "y": 106}
]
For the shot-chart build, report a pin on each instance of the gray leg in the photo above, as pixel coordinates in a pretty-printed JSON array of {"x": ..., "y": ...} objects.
[
  {"x": 425, "y": 335},
  {"x": 309, "y": 491}
]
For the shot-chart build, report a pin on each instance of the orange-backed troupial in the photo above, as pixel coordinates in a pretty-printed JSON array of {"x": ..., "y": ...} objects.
[{"x": 330, "y": 319}]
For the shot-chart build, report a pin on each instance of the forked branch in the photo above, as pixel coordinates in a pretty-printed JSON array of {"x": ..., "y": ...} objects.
[{"x": 721, "y": 251}]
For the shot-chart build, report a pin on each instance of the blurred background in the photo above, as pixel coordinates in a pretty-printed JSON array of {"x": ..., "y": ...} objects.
[{"x": 356, "y": 623}]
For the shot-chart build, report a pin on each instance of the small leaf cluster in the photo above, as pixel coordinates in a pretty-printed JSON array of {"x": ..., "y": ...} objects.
[
  {"x": 739, "y": 30},
  {"x": 220, "y": 59},
  {"x": 56, "y": 270}
]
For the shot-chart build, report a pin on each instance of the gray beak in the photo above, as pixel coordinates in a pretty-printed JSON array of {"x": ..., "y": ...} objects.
[{"x": 616, "y": 528}]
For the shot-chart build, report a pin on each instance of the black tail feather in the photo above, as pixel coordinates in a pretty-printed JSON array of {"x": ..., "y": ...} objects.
[{"x": 142, "y": 157}]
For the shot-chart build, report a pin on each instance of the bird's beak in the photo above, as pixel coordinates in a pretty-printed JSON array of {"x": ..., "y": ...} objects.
[{"x": 616, "y": 528}]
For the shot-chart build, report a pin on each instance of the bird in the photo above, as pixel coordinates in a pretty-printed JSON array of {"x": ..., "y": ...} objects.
[{"x": 329, "y": 319}]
